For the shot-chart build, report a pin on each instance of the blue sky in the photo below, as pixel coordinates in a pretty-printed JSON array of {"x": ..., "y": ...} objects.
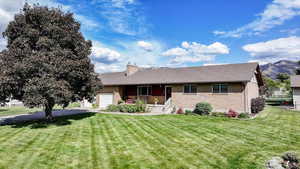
[{"x": 178, "y": 33}]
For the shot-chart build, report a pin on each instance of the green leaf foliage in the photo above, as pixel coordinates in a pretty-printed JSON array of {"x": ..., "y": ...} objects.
[{"x": 46, "y": 61}]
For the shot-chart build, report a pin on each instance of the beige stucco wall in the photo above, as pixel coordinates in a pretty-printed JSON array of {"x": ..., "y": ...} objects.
[
  {"x": 296, "y": 97},
  {"x": 252, "y": 91},
  {"x": 111, "y": 89},
  {"x": 234, "y": 99}
]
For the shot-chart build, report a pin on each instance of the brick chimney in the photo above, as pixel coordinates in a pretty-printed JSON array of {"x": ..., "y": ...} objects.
[{"x": 131, "y": 69}]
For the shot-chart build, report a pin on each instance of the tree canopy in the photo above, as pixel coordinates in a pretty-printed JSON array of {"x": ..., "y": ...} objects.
[
  {"x": 282, "y": 77},
  {"x": 46, "y": 61}
]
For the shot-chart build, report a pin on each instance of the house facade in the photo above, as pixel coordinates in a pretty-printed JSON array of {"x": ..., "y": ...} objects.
[
  {"x": 295, "y": 85},
  {"x": 225, "y": 87}
]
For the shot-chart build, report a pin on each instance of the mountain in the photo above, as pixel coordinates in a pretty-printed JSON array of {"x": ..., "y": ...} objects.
[{"x": 282, "y": 66}]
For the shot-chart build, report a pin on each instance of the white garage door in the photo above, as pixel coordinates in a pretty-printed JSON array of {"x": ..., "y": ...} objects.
[{"x": 106, "y": 99}]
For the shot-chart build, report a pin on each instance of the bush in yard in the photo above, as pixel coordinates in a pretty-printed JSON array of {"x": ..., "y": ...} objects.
[
  {"x": 188, "y": 112},
  {"x": 180, "y": 111},
  {"x": 243, "y": 116},
  {"x": 232, "y": 113},
  {"x": 203, "y": 108},
  {"x": 218, "y": 114},
  {"x": 113, "y": 108},
  {"x": 95, "y": 106},
  {"x": 121, "y": 102},
  {"x": 257, "y": 105},
  {"x": 290, "y": 160},
  {"x": 141, "y": 106}
]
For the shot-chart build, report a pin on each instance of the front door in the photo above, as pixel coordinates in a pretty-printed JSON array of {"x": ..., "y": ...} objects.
[{"x": 168, "y": 92}]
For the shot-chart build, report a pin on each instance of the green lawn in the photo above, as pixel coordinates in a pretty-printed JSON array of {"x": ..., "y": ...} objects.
[
  {"x": 16, "y": 111},
  {"x": 168, "y": 141}
]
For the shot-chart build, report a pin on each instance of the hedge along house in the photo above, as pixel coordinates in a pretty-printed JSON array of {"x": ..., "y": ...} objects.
[
  {"x": 225, "y": 87},
  {"x": 295, "y": 85}
]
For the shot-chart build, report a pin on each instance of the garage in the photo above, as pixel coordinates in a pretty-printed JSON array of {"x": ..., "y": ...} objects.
[{"x": 105, "y": 99}]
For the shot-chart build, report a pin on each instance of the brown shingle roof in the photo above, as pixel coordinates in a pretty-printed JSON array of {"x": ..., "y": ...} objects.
[
  {"x": 295, "y": 81},
  {"x": 204, "y": 74}
]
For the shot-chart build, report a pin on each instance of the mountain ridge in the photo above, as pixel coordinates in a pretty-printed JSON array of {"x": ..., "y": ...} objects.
[{"x": 283, "y": 66}]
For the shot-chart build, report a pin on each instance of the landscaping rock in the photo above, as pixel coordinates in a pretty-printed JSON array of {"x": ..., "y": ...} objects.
[{"x": 274, "y": 163}]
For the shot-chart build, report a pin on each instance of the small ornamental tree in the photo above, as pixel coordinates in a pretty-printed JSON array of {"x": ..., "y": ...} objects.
[{"x": 46, "y": 61}]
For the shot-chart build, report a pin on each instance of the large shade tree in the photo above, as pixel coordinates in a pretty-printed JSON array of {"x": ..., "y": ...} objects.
[{"x": 46, "y": 61}]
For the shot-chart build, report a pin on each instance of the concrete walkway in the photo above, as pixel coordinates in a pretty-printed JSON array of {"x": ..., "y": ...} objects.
[
  {"x": 134, "y": 114},
  {"x": 40, "y": 115}
]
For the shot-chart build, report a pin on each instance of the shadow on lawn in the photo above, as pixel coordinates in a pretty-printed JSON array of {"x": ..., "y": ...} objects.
[{"x": 57, "y": 121}]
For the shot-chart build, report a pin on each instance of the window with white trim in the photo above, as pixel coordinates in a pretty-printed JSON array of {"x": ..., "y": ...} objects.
[
  {"x": 190, "y": 88},
  {"x": 220, "y": 88},
  {"x": 144, "y": 90}
]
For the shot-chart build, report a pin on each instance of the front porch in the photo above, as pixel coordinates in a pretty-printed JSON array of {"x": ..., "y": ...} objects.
[{"x": 149, "y": 94}]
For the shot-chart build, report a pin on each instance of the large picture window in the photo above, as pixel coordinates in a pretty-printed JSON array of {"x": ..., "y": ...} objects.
[
  {"x": 220, "y": 88},
  {"x": 190, "y": 88},
  {"x": 144, "y": 90}
]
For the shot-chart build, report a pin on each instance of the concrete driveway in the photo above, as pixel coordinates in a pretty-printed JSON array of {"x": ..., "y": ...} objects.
[{"x": 40, "y": 115}]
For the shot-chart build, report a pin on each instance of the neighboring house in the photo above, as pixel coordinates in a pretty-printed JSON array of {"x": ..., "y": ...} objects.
[
  {"x": 279, "y": 92},
  {"x": 295, "y": 84},
  {"x": 225, "y": 87},
  {"x": 13, "y": 103}
]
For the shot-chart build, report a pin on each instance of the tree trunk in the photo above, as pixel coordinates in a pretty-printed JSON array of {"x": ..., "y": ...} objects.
[{"x": 48, "y": 110}]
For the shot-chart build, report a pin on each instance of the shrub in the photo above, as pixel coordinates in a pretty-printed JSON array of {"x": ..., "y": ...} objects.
[
  {"x": 129, "y": 108},
  {"x": 95, "y": 106},
  {"x": 243, "y": 116},
  {"x": 141, "y": 106},
  {"x": 291, "y": 161},
  {"x": 121, "y": 102},
  {"x": 232, "y": 113},
  {"x": 180, "y": 111},
  {"x": 113, "y": 108},
  {"x": 218, "y": 114},
  {"x": 257, "y": 105},
  {"x": 203, "y": 108},
  {"x": 74, "y": 105},
  {"x": 188, "y": 111}
]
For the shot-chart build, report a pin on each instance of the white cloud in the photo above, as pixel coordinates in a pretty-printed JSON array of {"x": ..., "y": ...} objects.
[
  {"x": 274, "y": 50},
  {"x": 102, "y": 67},
  {"x": 195, "y": 52},
  {"x": 274, "y": 14},
  {"x": 123, "y": 16},
  {"x": 2, "y": 43},
  {"x": 100, "y": 53},
  {"x": 86, "y": 22},
  {"x": 147, "y": 46},
  {"x": 8, "y": 8}
]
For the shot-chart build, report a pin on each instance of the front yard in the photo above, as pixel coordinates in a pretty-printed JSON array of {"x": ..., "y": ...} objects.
[{"x": 167, "y": 141}]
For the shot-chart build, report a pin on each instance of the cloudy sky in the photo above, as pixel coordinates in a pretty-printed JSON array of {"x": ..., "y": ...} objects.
[{"x": 180, "y": 33}]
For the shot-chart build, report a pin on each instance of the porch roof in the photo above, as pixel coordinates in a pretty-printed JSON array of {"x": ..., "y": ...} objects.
[{"x": 242, "y": 72}]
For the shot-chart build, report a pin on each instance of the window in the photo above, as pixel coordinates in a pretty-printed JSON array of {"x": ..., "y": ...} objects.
[
  {"x": 144, "y": 90},
  {"x": 189, "y": 88},
  {"x": 220, "y": 88}
]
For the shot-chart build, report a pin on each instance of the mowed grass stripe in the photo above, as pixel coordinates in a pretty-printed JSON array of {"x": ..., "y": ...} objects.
[
  {"x": 192, "y": 146},
  {"x": 196, "y": 144},
  {"x": 169, "y": 141},
  {"x": 166, "y": 142},
  {"x": 145, "y": 151},
  {"x": 109, "y": 142},
  {"x": 123, "y": 154},
  {"x": 93, "y": 146}
]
